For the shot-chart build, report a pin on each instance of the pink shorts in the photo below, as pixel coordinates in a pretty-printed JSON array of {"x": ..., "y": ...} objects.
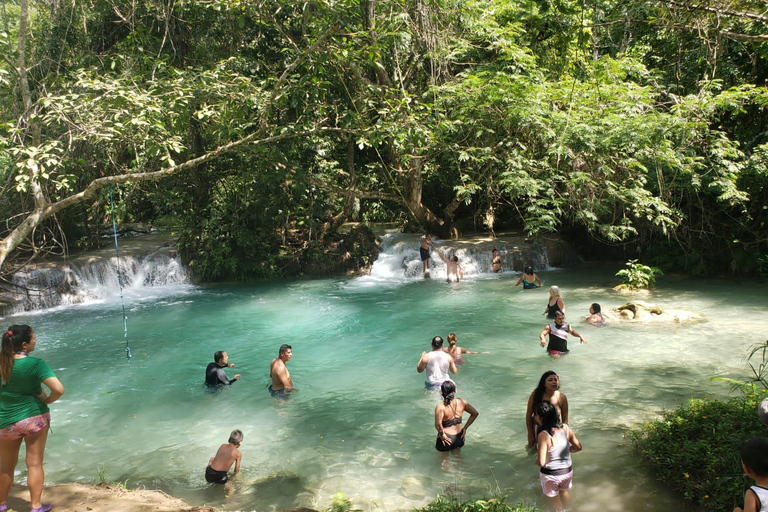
[
  {"x": 552, "y": 485},
  {"x": 25, "y": 427}
]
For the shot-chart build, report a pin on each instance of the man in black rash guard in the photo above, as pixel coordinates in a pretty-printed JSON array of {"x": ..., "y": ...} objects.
[{"x": 214, "y": 375}]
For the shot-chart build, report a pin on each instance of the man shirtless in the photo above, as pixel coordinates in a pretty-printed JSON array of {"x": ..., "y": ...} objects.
[
  {"x": 426, "y": 243},
  {"x": 282, "y": 385},
  {"x": 453, "y": 270},
  {"x": 226, "y": 455}
]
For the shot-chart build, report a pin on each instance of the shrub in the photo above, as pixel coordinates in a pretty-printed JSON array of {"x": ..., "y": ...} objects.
[
  {"x": 694, "y": 449},
  {"x": 453, "y": 504},
  {"x": 637, "y": 276}
]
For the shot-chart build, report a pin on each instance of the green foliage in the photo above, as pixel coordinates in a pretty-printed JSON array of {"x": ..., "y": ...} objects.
[
  {"x": 637, "y": 276},
  {"x": 694, "y": 449},
  {"x": 340, "y": 503},
  {"x": 453, "y": 504}
]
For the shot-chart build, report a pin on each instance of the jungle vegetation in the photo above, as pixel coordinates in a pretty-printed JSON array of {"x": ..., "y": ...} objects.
[{"x": 257, "y": 128}]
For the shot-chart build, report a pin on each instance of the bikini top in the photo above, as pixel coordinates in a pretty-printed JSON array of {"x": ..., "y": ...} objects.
[{"x": 451, "y": 422}]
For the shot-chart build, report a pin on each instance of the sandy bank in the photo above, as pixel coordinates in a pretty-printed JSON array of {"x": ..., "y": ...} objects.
[{"x": 90, "y": 498}]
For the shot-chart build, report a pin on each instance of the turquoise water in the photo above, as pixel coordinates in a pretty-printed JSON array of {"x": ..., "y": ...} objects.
[{"x": 362, "y": 422}]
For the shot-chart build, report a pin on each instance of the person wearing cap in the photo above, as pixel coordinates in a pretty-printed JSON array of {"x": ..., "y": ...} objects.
[
  {"x": 762, "y": 411},
  {"x": 437, "y": 363},
  {"x": 282, "y": 385}
]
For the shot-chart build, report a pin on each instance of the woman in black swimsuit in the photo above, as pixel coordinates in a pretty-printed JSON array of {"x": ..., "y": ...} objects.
[
  {"x": 555, "y": 303},
  {"x": 450, "y": 433}
]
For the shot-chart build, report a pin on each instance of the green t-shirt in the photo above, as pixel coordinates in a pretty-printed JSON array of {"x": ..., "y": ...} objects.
[{"x": 17, "y": 397}]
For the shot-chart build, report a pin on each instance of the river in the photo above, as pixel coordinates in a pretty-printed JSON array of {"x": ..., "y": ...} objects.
[{"x": 362, "y": 422}]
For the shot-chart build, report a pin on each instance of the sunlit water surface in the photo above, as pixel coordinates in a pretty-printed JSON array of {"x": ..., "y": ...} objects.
[{"x": 362, "y": 422}]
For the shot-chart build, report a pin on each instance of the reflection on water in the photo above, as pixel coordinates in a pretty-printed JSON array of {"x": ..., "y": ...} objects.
[{"x": 362, "y": 422}]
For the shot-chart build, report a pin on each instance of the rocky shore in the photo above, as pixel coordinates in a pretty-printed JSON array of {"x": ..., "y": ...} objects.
[{"x": 96, "y": 498}]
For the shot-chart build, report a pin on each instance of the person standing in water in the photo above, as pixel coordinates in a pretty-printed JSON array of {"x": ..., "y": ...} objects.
[
  {"x": 548, "y": 390},
  {"x": 529, "y": 279},
  {"x": 556, "y": 442},
  {"x": 558, "y": 332},
  {"x": 24, "y": 414},
  {"x": 555, "y": 303},
  {"x": 453, "y": 270},
  {"x": 448, "y": 417},
  {"x": 426, "y": 243},
  {"x": 282, "y": 385},
  {"x": 496, "y": 262},
  {"x": 455, "y": 351},
  {"x": 437, "y": 363},
  {"x": 214, "y": 373}
]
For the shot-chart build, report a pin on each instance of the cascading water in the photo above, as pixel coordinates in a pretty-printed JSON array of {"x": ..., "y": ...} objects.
[
  {"x": 94, "y": 279},
  {"x": 399, "y": 257}
]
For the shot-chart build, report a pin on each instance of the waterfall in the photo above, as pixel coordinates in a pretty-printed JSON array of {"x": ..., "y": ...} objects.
[
  {"x": 95, "y": 278},
  {"x": 399, "y": 257}
]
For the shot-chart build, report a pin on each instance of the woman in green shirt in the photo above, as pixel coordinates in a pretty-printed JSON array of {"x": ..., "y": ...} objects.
[{"x": 24, "y": 411}]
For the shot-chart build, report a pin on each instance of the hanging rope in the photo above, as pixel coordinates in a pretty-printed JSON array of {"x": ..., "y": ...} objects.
[{"x": 119, "y": 275}]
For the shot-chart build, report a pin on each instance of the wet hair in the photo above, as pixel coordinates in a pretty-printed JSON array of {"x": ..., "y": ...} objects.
[
  {"x": 448, "y": 391},
  {"x": 555, "y": 290},
  {"x": 218, "y": 356},
  {"x": 452, "y": 335},
  {"x": 455, "y": 258},
  {"x": 495, "y": 250},
  {"x": 595, "y": 307},
  {"x": 13, "y": 338},
  {"x": 538, "y": 393},
  {"x": 754, "y": 455},
  {"x": 529, "y": 269},
  {"x": 285, "y": 348},
  {"x": 549, "y": 417},
  {"x": 437, "y": 342},
  {"x": 236, "y": 437}
]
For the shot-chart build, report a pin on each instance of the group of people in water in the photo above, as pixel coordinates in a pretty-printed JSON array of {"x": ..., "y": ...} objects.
[{"x": 546, "y": 418}]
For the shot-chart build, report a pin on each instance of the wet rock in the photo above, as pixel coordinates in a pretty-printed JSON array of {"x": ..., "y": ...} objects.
[
  {"x": 414, "y": 488},
  {"x": 639, "y": 311}
]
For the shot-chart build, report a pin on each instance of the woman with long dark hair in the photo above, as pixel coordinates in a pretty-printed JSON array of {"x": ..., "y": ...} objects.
[
  {"x": 448, "y": 418},
  {"x": 548, "y": 390},
  {"x": 24, "y": 412},
  {"x": 556, "y": 442}
]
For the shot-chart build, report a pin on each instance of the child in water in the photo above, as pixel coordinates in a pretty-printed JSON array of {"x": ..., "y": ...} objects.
[
  {"x": 455, "y": 351},
  {"x": 219, "y": 464},
  {"x": 754, "y": 460}
]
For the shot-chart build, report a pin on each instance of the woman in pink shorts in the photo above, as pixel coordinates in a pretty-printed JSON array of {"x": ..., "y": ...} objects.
[
  {"x": 556, "y": 442},
  {"x": 24, "y": 411}
]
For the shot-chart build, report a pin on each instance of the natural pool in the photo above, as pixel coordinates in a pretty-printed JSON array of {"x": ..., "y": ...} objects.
[{"x": 362, "y": 422}]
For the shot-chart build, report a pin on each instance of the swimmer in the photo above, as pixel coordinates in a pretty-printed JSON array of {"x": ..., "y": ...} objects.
[
  {"x": 226, "y": 455},
  {"x": 426, "y": 243},
  {"x": 455, "y": 351},
  {"x": 282, "y": 385},
  {"x": 595, "y": 316},
  {"x": 529, "y": 279},
  {"x": 437, "y": 363},
  {"x": 453, "y": 270},
  {"x": 448, "y": 413},
  {"x": 558, "y": 335},
  {"x": 214, "y": 375},
  {"x": 548, "y": 390},
  {"x": 496, "y": 262},
  {"x": 555, "y": 302}
]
